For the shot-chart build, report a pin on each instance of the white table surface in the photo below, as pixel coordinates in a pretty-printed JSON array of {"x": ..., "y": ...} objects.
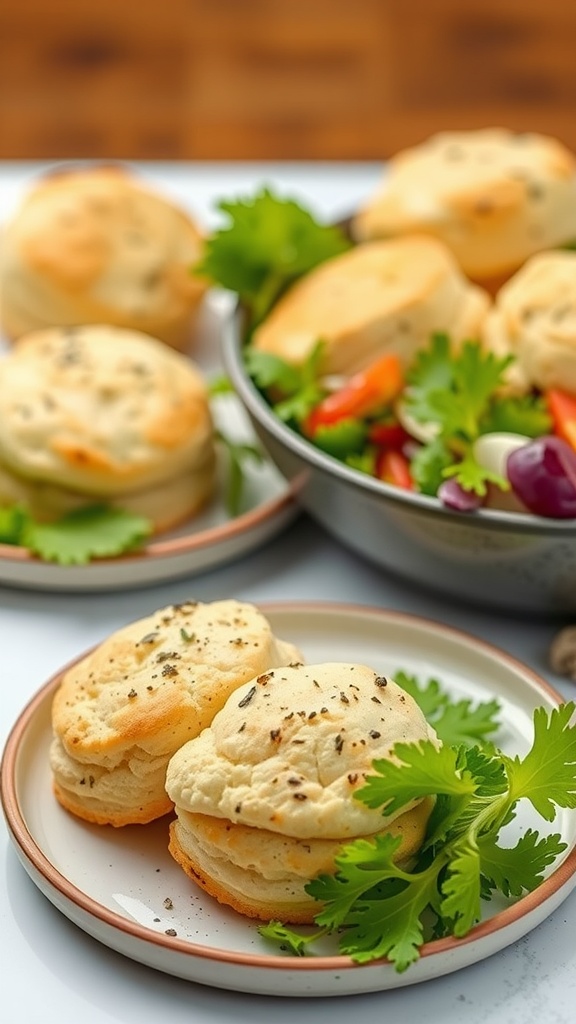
[{"x": 54, "y": 972}]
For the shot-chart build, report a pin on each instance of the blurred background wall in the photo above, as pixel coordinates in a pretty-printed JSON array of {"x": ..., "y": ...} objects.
[{"x": 277, "y": 79}]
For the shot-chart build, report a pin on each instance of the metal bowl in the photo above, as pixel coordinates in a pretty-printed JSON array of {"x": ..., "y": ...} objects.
[{"x": 504, "y": 560}]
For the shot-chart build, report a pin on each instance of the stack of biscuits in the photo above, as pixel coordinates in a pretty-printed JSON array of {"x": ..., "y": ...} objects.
[{"x": 202, "y": 709}]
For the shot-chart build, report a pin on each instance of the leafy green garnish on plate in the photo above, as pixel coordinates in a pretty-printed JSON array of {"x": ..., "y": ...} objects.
[
  {"x": 267, "y": 244},
  {"x": 383, "y": 909},
  {"x": 96, "y": 531},
  {"x": 455, "y": 721}
]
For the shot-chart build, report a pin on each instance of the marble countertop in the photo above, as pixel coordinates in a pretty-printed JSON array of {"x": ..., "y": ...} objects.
[{"x": 52, "y": 970}]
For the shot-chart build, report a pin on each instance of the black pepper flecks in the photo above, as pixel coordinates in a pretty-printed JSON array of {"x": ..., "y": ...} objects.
[{"x": 246, "y": 699}]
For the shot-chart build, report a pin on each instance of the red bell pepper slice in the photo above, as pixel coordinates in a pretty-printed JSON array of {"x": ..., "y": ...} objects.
[
  {"x": 392, "y": 467},
  {"x": 365, "y": 392},
  {"x": 562, "y": 408}
]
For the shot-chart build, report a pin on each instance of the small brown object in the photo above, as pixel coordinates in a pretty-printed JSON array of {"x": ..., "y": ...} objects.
[{"x": 562, "y": 654}]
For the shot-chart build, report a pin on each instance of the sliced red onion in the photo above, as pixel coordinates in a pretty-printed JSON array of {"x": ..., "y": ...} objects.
[
  {"x": 543, "y": 475},
  {"x": 453, "y": 495}
]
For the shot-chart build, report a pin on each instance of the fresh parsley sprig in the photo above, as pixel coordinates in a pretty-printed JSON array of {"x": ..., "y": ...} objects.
[
  {"x": 384, "y": 909},
  {"x": 267, "y": 243},
  {"x": 96, "y": 531}
]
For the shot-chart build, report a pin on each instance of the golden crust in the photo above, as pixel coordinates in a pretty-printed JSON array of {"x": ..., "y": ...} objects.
[
  {"x": 265, "y": 797},
  {"x": 96, "y": 245},
  {"x": 381, "y": 296},
  {"x": 261, "y": 874},
  {"x": 103, "y": 412},
  {"x": 493, "y": 196},
  {"x": 121, "y": 712}
]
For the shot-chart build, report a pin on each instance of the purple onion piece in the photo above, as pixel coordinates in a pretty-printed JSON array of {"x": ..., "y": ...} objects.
[
  {"x": 453, "y": 495},
  {"x": 543, "y": 476}
]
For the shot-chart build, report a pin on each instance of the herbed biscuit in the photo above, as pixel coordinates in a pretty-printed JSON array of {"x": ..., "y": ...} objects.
[
  {"x": 122, "y": 711},
  {"x": 265, "y": 796},
  {"x": 534, "y": 320},
  {"x": 493, "y": 196},
  {"x": 97, "y": 245},
  {"x": 99, "y": 413},
  {"x": 382, "y": 296}
]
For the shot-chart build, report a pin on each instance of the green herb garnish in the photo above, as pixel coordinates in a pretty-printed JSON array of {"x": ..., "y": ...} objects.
[
  {"x": 458, "y": 392},
  {"x": 268, "y": 243},
  {"x": 96, "y": 531},
  {"x": 382, "y": 909}
]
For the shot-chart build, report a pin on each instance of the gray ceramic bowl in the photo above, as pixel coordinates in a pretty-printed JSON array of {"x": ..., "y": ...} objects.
[{"x": 503, "y": 560}]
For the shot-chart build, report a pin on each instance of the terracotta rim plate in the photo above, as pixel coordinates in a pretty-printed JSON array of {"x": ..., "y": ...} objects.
[{"x": 122, "y": 887}]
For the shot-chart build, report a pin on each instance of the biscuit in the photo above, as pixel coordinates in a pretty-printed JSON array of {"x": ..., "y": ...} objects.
[
  {"x": 493, "y": 196},
  {"x": 99, "y": 413},
  {"x": 96, "y": 245},
  {"x": 265, "y": 796},
  {"x": 124, "y": 709},
  {"x": 534, "y": 319},
  {"x": 383, "y": 296}
]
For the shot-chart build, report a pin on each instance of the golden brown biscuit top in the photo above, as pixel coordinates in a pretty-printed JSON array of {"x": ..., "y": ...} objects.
[
  {"x": 290, "y": 747},
  {"x": 101, "y": 410},
  {"x": 493, "y": 195},
  {"x": 153, "y": 684},
  {"x": 380, "y": 295},
  {"x": 74, "y": 227},
  {"x": 534, "y": 319}
]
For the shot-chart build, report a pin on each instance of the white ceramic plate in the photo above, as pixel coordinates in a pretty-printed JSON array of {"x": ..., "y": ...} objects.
[
  {"x": 122, "y": 887},
  {"x": 210, "y": 539}
]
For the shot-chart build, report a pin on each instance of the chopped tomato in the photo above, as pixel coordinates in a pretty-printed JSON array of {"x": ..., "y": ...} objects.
[
  {"x": 562, "y": 408},
  {"x": 365, "y": 392},
  {"x": 392, "y": 467},
  {"x": 388, "y": 435}
]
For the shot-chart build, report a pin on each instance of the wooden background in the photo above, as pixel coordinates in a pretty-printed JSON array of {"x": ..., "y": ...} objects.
[{"x": 277, "y": 79}]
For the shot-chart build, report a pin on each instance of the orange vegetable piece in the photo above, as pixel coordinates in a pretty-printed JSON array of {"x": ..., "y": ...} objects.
[
  {"x": 365, "y": 392},
  {"x": 562, "y": 408},
  {"x": 392, "y": 467}
]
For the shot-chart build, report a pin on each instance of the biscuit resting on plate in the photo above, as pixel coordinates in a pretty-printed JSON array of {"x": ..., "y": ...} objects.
[
  {"x": 265, "y": 796},
  {"x": 493, "y": 196},
  {"x": 122, "y": 711},
  {"x": 98, "y": 414},
  {"x": 95, "y": 244},
  {"x": 378, "y": 297}
]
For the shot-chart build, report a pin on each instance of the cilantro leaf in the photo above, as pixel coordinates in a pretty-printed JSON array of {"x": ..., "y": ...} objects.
[
  {"x": 268, "y": 242},
  {"x": 422, "y": 770},
  {"x": 428, "y": 464},
  {"x": 382, "y": 908},
  {"x": 97, "y": 531},
  {"x": 520, "y": 868},
  {"x": 547, "y": 775},
  {"x": 455, "y": 722},
  {"x": 13, "y": 522},
  {"x": 461, "y": 889},
  {"x": 474, "y": 477},
  {"x": 518, "y": 414},
  {"x": 238, "y": 453},
  {"x": 287, "y": 938},
  {"x": 292, "y": 391}
]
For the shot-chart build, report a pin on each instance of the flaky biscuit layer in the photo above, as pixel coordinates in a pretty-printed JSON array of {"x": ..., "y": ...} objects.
[
  {"x": 121, "y": 712},
  {"x": 289, "y": 749}
]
